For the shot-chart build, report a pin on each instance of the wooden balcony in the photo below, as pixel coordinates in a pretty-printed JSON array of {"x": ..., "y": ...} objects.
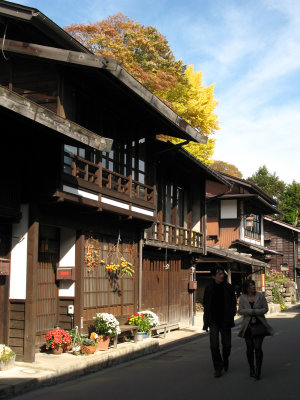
[
  {"x": 85, "y": 175},
  {"x": 174, "y": 237}
]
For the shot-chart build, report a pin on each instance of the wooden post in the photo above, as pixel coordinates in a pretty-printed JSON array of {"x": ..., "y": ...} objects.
[
  {"x": 31, "y": 289},
  {"x": 99, "y": 174},
  {"x": 79, "y": 276}
]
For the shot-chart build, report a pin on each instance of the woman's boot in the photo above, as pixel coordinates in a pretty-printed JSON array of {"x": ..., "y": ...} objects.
[
  {"x": 259, "y": 359},
  {"x": 250, "y": 358}
]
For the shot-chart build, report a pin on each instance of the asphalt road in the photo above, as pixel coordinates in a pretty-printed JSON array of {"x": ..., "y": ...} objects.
[{"x": 186, "y": 372}]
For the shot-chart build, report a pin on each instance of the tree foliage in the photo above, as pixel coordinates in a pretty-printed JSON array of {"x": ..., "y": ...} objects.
[
  {"x": 145, "y": 53},
  {"x": 230, "y": 169},
  {"x": 142, "y": 50},
  {"x": 290, "y": 204},
  {"x": 269, "y": 182}
]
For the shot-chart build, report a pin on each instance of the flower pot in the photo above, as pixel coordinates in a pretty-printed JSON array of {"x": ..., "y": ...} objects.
[
  {"x": 89, "y": 349},
  {"x": 146, "y": 335},
  {"x": 57, "y": 350},
  {"x": 103, "y": 343},
  {"x": 5, "y": 365},
  {"x": 140, "y": 336}
]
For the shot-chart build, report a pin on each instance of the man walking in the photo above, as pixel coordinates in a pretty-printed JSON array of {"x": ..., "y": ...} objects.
[{"x": 219, "y": 311}]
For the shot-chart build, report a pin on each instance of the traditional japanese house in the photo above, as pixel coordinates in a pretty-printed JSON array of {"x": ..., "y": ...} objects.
[
  {"x": 235, "y": 232},
  {"x": 82, "y": 177},
  {"x": 172, "y": 244},
  {"x": 283, "y": 238}
]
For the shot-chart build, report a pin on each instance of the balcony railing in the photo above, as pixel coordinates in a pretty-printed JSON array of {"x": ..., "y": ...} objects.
[
  {"x": 105, "y": 178},
  {"x": 174, "y": 235}
]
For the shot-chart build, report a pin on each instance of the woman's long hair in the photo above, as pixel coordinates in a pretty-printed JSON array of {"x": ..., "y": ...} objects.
[{"x": 246, "y": 285}]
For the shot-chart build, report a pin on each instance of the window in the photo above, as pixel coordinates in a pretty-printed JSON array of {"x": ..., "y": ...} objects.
[{"x": 252, "y": 231}]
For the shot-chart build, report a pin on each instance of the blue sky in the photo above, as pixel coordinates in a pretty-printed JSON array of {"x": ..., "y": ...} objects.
[{"x": 250, "y": 49}]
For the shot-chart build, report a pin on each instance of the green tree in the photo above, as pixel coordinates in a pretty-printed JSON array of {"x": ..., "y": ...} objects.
[
  {"x": 269, "y": 182},
  {"x": 145, "y": 53},
  {"x": 290, "y": 204},
  {"x": 230, "y": 169}
]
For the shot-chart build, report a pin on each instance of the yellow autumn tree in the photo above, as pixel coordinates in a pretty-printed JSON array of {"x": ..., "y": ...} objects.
[
  {"x": 195, "y": 103},
  {"x": 145, "y": 53}
]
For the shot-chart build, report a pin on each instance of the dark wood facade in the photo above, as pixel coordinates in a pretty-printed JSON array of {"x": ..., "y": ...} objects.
[
  {"x": 82, "y": 165},
  {"x": 284, "y": 239}
]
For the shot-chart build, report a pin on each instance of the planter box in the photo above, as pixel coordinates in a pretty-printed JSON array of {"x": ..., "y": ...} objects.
[{"x": 7, "y": 365}]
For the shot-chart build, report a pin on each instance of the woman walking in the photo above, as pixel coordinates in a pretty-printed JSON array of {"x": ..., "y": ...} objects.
[{"x": 253, "y": 307}]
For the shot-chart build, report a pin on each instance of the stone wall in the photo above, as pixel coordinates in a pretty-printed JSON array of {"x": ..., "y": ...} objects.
[{"x": 287, "y": 291}]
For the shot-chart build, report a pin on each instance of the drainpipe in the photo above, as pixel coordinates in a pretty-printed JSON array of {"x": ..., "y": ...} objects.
[{"x": 141, "y": 245}]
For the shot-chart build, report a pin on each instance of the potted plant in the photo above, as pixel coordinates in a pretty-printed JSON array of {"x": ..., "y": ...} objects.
[
  {"x": 142, "y": 322},
  {"x": 152, "y": 318},
  {"x": 7, "y": 357},
  {"x": 57, "y": 339},
  {"x": 88, "y": 346},
  {"x": 107, "y": 326}
]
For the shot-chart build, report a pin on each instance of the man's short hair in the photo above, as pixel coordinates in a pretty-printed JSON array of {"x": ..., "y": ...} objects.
[{"x": 215, "y": 269}]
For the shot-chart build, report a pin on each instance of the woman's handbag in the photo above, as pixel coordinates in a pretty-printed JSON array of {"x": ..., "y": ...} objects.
[{"x": 258, "y": 329}]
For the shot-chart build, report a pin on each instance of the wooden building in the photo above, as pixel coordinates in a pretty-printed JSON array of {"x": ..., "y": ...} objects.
[
  {"x": 235, "y": 233},
  {"x": 83, "y": 172},
  {"x": 283, "y": 238}
]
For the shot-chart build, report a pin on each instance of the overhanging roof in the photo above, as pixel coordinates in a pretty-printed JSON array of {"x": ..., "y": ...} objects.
[
  {"x": 255, "y": 247},
  {"x": 40, "y": 21},
  {"x": 209, "y": 171},
  {"x": 11, "y": 101},
  {"x": 282, "y": 223},
  {"x": 182, "y": 128},
  {"x": 232, "y": 255},
  {"x": 252, "y": 186}
]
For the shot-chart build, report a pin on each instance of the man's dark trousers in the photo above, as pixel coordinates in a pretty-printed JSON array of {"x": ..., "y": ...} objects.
[{"x": 215, "y": 330}]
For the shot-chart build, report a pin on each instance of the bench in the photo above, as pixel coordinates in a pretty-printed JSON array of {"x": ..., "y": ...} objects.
[
  {"x": 161, "y": 329},
  {"x": 127, "y": 328}
]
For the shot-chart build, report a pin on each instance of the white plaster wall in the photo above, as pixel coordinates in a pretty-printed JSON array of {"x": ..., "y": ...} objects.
[
  {"x": 228, "y": 209},
  {"x": 18, "y": 272},
  {"x": 67, "y": 259}
]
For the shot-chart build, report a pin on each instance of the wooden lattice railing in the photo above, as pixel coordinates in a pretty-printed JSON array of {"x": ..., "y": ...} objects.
[
  {"x": 105, "y": 178},
  {"x": 174, "y": 235}
]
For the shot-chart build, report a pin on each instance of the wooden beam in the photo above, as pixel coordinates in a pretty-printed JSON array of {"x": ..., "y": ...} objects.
[
  {"x": 28, "y": 109},
  {"x": 56, "y": 54},
  {"x": 31, "y": 289}
]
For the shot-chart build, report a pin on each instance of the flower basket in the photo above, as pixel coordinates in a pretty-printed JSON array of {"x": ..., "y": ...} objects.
[
  {"x": 89, "y": 349},
  {"x": 103, "y": 343},
  {"x": 5, "y": 365}
]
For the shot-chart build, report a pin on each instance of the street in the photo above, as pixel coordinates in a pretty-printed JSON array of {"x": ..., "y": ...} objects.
[{"x": 186, "y": 372}]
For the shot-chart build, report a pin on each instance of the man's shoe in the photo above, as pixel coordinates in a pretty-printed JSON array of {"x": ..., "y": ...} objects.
[{"x": 218, "y": 373}]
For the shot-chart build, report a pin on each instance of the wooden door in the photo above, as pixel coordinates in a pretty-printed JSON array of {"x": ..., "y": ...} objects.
[{"x": 165, "y": 290}]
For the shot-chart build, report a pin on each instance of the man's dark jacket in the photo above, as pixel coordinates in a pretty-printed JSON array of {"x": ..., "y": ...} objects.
[{"x": 229, "y": 305}]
